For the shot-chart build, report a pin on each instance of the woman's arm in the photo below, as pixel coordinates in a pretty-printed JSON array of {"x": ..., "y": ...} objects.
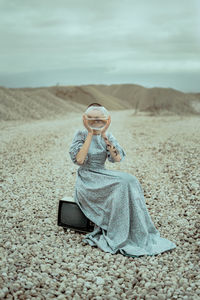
[
  {"x": 113, "y": 151},
  {"x": 81, "y": 155}
]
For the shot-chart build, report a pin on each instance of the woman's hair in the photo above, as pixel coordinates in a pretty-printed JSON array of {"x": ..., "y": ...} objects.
[{"x": 94, "y": 104}]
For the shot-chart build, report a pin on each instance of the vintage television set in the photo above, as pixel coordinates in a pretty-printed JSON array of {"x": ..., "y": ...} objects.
[{"x": 71, "y": 216}]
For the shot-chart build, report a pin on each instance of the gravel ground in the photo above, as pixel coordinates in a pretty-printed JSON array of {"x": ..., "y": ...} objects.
[{"x": 41, "y": 261}]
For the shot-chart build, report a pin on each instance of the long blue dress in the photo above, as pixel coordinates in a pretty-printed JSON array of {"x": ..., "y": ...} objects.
[{"x": 114, "y": 201}]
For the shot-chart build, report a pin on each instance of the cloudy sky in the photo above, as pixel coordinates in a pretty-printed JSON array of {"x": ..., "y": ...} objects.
[{"x": 75, "y": 42}]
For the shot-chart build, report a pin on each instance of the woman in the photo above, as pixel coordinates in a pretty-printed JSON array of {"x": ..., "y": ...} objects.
[{"x": 112, "y": 200}]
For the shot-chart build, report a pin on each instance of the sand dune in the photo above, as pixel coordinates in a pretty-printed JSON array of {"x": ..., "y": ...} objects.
[
  {"x": 50, "y": 102},
  {"x": 154, "y": 100},
  {"x": 39, "y": 103},
  {"x": 88, "y": 94}
]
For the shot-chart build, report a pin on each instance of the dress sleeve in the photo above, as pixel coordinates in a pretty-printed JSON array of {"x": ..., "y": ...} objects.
[
  {"x": 115, "y": 143},
  {"x": 77, "y": 142}
]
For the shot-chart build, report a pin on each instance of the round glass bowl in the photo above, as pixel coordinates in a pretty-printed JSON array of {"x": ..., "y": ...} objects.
[{"x": 97, "y": 117}]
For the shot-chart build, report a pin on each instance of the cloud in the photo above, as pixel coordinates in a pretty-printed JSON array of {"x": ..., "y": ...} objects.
[{"x": 125, "y": 37}]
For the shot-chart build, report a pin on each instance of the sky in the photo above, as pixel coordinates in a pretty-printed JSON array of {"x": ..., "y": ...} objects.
[{"x": 79, "y": 42}]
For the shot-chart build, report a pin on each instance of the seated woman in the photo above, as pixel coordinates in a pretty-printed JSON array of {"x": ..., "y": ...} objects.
[{"x": 112, "y": 200}]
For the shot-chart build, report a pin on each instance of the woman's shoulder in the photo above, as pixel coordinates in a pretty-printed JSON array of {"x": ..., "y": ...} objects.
[
  {"x": 80, "y": 132},
  {"x": 109, "y": 134},
  {"x": 83, "y": 131}
]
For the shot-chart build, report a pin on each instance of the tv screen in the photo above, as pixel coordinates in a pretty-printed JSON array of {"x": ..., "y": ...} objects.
[{"x": 71, "y": 216}]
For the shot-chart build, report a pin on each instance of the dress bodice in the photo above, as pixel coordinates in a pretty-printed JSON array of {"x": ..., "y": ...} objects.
[{"x": 97, "y": 152}]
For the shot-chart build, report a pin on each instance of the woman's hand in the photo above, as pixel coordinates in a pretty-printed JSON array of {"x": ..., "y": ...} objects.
[
  {"x": 85, "y": 123},
  {"x": 106, "y": 126}
]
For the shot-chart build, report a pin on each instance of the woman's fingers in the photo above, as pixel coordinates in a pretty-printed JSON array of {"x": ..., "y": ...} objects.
[
  {"x": 85, "y": 123},
  {"x": 108, "y": 123},
  {"x": 106, "y": 126},
  {"x": 84, "y": 119}
]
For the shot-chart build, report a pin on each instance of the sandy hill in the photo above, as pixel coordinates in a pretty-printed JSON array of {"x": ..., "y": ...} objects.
[
  {"x": 38, "y": 103},
  {"x": 88, "y": 94},
  {"x": 50, "y": 102},
  {"x": 154, "y": 100}
]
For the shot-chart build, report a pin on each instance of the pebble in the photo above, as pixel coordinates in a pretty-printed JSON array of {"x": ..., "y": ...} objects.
[
  {"x": 38, "y": 258},
  {"x": 99, "y": 280}
]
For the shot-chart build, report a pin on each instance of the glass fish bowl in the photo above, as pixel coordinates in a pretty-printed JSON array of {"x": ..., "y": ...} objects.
[{"x": 97, "y": 117}]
